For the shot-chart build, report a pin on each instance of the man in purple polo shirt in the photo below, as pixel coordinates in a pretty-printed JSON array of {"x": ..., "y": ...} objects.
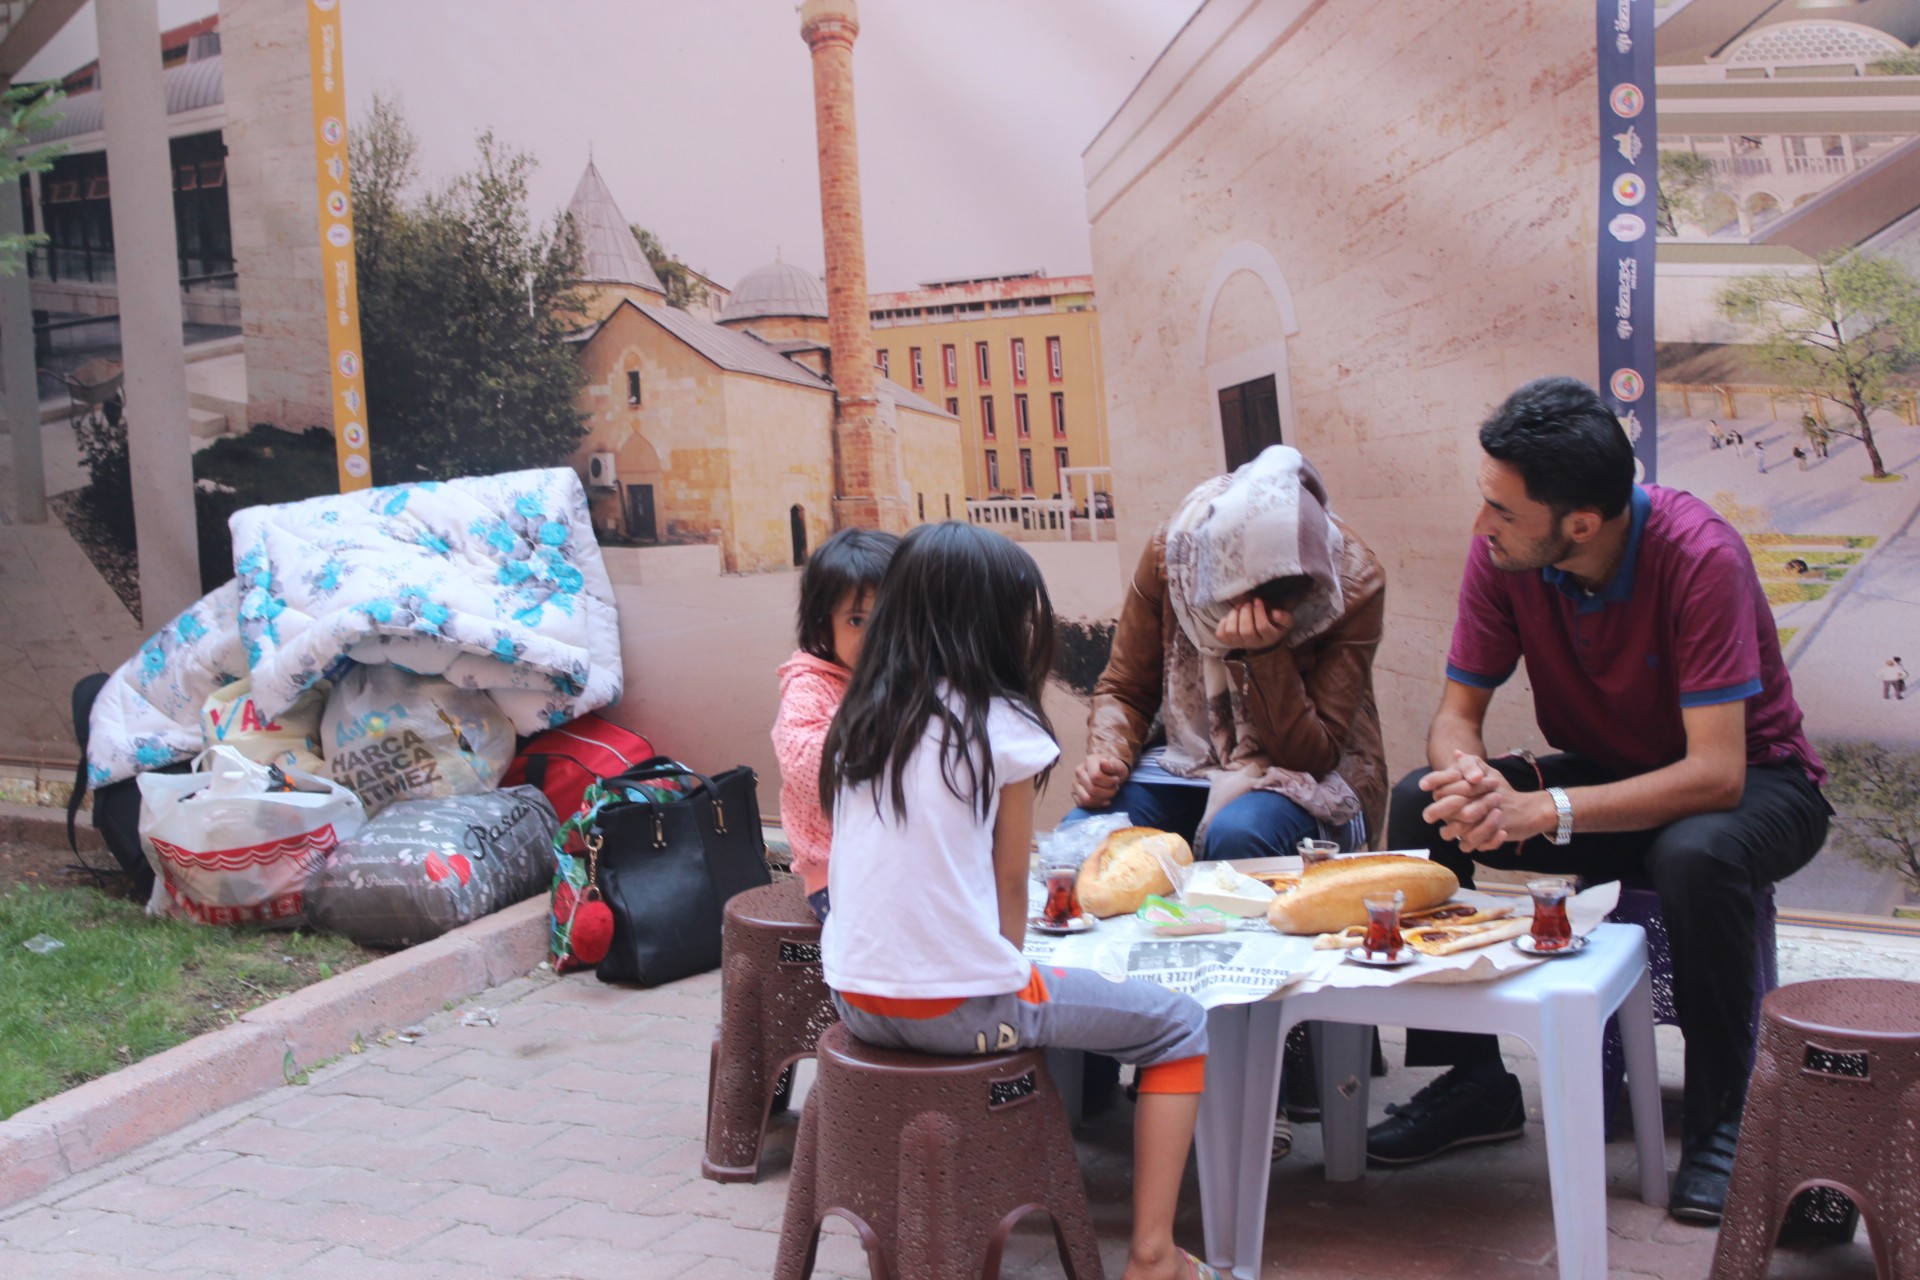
[{"x": 1680, "y": 760}]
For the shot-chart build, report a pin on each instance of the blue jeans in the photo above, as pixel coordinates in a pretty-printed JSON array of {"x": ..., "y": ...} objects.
[{"x": 1260, "y": 824}]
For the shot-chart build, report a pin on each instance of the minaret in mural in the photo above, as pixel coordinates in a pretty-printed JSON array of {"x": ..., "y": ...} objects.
[{"x": 869, "y": 490}]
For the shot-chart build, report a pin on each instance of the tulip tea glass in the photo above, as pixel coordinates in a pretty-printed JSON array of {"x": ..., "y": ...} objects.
[
  {"x": 1552, "y": 931},
  {"x": 1313, "y": 851},
  {"x": 1063, "y": 898},
  {"x": 1383, "y": 924}
]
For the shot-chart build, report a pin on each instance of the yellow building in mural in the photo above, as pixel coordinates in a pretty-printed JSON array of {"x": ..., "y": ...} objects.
[{"x": 1017, "y": 359}]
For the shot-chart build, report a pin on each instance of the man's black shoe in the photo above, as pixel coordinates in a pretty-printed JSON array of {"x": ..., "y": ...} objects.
[
  {"x": 1700, "y": 1187},
  {"x": 1475, "y": 1103}
]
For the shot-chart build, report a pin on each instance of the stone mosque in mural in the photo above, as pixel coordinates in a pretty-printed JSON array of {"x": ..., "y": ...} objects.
[{"x": 716, "y": 425}]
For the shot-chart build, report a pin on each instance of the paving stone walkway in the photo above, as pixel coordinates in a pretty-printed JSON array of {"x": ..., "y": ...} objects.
[{"x": 564, "y": 1141}]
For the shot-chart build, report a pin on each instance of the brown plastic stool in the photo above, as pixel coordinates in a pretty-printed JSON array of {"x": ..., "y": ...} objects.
[
  {"x": 1834, "y": 1102},
  {"x": 933, "y": 1161},
  {"x": 773, "y": 1007}
]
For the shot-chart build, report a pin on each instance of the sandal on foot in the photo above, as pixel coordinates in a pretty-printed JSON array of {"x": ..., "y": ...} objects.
[{"x": 1200, "y": 1270}]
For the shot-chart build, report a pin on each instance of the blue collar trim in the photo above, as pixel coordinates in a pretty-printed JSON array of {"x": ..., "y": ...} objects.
[{"x": 1619, "y": 588}]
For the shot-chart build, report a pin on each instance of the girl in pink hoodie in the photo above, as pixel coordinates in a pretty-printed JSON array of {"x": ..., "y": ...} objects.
[{"x": 836, "y": 595}]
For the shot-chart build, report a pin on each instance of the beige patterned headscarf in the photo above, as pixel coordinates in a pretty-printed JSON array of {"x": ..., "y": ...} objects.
[{"x": 1270, "y": 519}]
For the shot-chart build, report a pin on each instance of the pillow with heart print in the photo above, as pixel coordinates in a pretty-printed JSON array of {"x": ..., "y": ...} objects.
[{"x": 422, "y": 867}]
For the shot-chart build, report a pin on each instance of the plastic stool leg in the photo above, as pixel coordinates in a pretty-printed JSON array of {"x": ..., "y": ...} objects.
[
  {"x": 1343, "y": 1055},
  {"x": 1568, "y": 1043}
]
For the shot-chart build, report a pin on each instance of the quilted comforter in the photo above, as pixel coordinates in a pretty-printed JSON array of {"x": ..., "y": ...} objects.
[{"x": 494, "y": 582}]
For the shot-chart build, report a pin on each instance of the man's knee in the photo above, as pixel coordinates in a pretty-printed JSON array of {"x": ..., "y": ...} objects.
[{"x": 1688, "y": 860}]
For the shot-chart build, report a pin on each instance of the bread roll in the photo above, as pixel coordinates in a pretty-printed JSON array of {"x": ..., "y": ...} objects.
[
  {"x": 1329, "y": 897},
  {"x": 1123, "y": 871}
]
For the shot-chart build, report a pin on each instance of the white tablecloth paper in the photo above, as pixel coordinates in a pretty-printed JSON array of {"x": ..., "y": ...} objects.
[{"x": 1253, "y": 962}]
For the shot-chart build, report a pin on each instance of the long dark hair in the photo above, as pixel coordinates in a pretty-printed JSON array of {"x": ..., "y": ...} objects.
[
  {"x": 851, "y": 560},
  {"x": 961, "y": 605}
]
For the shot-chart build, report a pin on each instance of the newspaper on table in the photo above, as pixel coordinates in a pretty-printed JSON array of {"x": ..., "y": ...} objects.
[{"x": 1252, "y": 961}]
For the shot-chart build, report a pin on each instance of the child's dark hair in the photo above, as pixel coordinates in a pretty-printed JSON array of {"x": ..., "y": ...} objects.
[
  {"x": 959, "y": 605},
  {"x": 851, "y": 560}
]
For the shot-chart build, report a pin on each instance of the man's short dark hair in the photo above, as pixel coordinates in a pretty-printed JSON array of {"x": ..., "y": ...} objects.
[{"x": 1566, "y": 444}]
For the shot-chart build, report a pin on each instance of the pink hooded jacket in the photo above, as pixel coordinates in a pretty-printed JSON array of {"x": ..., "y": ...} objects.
[{"x": 810, "y": 692}]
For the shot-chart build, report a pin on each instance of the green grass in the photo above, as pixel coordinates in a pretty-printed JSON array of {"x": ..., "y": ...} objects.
[
  {"x": 1794, "y": 592},
  {"x": 1776, "y": 561},
  {"x": 1787, "y": 634},
  {"x": 1849, "y": 540},
  {"x": 126, "y": 985}
]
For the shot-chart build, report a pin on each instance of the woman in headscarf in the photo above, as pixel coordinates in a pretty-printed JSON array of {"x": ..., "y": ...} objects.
[{"x": 1249, "y": 630}]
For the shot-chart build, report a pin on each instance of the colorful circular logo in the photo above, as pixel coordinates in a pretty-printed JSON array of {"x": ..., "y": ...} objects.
[
  {"x": 1627, "y": 101},
  {"x": 337, "y": 203},
  {"x": 357, "y": 467},
  {"x": 354, "y": 434},
  {"x": 339, "y": 235},
  {"x": 1629, "y": 188},
  {"x": 1627, "y": 384},
  {"x": 331, "y": 131},
  {"x": 1627, "y": 227},
  {"x": 349, "y": 364}
]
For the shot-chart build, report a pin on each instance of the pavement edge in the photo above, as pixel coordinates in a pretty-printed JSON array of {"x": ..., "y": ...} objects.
[{"x": 103, "y": 1119}]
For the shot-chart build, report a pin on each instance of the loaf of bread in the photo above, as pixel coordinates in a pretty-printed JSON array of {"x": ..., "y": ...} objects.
[
  {"x": 1329, "y": 897},
  {"x": 1124, "y": 870}
]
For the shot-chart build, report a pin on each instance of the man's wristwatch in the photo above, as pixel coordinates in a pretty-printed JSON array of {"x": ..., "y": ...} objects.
[{"x": 1562, "y": 807}]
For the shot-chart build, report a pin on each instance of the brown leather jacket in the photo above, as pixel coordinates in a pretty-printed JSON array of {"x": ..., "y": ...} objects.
[{"x": 1314, "y": 705}]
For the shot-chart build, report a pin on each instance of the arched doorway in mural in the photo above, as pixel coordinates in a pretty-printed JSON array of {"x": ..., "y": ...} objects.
[
  {"x": 797, "y": 517},
  {"x": 1246, "y": 317}
]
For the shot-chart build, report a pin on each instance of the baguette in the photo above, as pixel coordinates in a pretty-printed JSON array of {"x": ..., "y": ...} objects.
[
  {"x": 1330, "y": 893},
  {"x": 1445, "y": 939},
  {"x": 1124, "y": 871}
]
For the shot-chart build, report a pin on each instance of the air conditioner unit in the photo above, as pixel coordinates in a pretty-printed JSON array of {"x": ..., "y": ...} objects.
[{"x": 600, "y": 470}]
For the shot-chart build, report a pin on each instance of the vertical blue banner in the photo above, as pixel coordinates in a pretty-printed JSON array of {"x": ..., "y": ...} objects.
[{"x": 1629, "y": 176}]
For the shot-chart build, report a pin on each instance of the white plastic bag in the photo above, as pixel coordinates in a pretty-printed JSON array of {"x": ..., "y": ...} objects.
[
  {"x": 391, "y": 735},
  {"x": 236, "y": 843},
  {"x": 230, "y": 717}
]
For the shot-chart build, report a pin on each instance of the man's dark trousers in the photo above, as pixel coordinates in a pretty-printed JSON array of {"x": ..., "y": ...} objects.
[{"x": 1706, "y": 869}]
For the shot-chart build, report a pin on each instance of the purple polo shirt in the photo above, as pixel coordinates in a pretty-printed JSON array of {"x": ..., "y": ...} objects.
[{"x": 1683, "y": 623}]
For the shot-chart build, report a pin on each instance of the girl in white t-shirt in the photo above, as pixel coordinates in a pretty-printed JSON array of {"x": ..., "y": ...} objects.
[{"x": 928, "y": 775}]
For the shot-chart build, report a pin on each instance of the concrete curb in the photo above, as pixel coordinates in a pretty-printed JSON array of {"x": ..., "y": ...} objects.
[
  {"x": 103, "y": 1119},
  {"x": 31, "y": 824}
]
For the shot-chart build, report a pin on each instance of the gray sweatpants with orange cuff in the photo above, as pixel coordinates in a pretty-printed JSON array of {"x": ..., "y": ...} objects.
[{"x": 1162, "y": 1032}]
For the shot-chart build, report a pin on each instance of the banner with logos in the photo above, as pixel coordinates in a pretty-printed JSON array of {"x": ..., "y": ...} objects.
[
  {"x": 335, "y": 194},
  {"x": 1629, "y": 171}
]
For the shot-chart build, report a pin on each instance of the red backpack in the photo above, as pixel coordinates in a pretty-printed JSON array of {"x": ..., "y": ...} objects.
[{"x": 564, "y": 762}]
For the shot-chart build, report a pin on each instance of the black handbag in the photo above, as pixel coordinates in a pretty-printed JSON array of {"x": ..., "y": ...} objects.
[{"x": 673, "y": 847}]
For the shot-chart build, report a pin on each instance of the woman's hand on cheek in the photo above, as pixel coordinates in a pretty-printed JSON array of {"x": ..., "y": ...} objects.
[{"x": 1252, "y": 626}]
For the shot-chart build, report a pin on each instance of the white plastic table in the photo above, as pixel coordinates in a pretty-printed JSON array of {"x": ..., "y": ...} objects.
[{"x": 1560, "y": 1007}]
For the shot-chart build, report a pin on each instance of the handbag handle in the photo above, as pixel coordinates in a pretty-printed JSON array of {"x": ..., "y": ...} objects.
[{"x": 666, "y": 766}]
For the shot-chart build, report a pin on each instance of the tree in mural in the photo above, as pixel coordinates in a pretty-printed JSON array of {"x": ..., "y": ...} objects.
[
  {"x": 1875, "y": 790},
  {"x": 1685, "y": 181},
  {"x": 465, "y": 307},
  {"x": 24, "y": 110},
  {"x": 683, "y": 286},
  {"x": 1840, "y": 333}
]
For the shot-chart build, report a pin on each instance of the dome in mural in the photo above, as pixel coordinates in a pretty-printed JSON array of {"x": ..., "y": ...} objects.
[{"x": 777, "y": 289}]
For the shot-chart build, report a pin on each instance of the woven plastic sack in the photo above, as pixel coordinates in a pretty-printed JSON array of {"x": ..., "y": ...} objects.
[
  {"x": 423, "y": 867},
  {"x": 392, "y": 735}
]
